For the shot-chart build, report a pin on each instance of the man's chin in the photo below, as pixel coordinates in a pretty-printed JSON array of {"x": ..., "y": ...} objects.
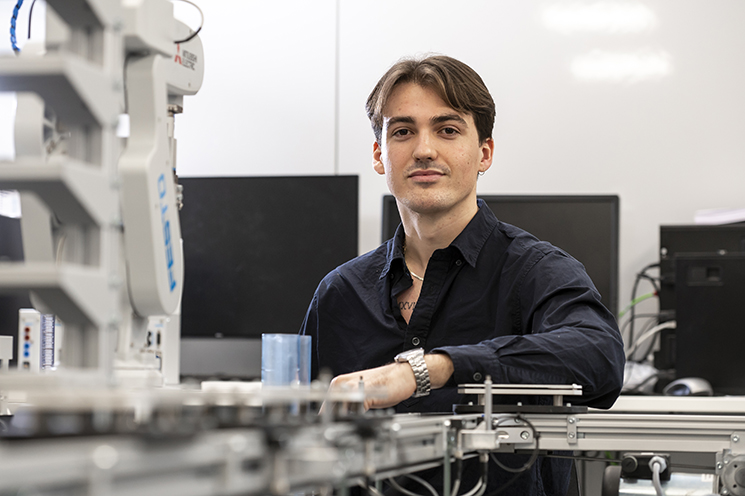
[
  {"x": 434, "y": 204},
  {"x": 426, "y": 206}
]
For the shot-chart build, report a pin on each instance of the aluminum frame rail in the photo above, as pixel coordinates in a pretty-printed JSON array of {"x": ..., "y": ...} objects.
[
  {"x": 294, "y": 454},
  {"x": 647, "y": 432},
  {"x": 94, "y": 440},
  {"x": 276, "y": 459}
]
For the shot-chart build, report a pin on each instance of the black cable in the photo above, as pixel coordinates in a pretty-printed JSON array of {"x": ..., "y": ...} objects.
[
  {"x": 639, "y": 316},
  {"x": 526, "y": 466},
  {"x": 201, "y": 24},
  {"x": 507, "y": 484},
  {"x": 650, "y": 346},
  {"x": 639, "y": 277},
  {"x": 617, "y": 460},
  {"x": 653, "y": 280},
  {"x": 652, "y": 341},
  {"x": 30, "y": 16},
  {"x": 583, "y": 458}
]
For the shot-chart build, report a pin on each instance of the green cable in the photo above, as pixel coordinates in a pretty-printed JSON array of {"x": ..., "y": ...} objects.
[{"x": 634, "y": 302}]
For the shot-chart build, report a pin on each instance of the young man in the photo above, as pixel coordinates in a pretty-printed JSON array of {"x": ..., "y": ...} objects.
[{"x": 457, "y": 295}]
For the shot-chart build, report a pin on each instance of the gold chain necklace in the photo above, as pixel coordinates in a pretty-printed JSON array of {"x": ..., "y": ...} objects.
[{"x": 407, "y": 267}]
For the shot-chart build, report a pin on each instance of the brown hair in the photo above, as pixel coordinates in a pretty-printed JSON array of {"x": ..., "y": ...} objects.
[{"x": 456, "y": 83}]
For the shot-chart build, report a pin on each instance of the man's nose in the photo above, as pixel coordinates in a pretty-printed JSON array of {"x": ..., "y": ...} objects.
[{"x": 424, "y": 149}]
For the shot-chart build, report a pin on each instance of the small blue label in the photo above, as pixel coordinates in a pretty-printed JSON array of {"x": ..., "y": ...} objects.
[{"x": 166, "y": 231}]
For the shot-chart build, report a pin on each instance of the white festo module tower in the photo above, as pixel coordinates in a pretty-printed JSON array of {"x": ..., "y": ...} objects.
[{"x": 100, "y": 218}]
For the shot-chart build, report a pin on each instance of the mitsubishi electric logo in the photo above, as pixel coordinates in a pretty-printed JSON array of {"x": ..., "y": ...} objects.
[{"x": 188, "y": 59}]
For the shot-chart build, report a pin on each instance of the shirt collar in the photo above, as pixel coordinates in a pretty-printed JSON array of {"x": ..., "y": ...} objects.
[
  {"x": 395, "y": 250},
  {"x": 469, "y": 242}
]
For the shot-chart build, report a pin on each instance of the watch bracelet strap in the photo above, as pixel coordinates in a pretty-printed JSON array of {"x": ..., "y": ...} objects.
[{"x": 421, "y": 374}]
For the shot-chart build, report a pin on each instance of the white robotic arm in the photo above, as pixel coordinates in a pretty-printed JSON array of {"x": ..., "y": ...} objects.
[{"x": 152, "y": 232}]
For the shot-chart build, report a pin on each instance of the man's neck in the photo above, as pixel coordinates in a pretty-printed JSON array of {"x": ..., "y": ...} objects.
[{"x": 426, "y": 233}]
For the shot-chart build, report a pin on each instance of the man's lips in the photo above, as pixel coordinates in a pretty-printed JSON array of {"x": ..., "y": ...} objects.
[{"x": 423, "y": 173}]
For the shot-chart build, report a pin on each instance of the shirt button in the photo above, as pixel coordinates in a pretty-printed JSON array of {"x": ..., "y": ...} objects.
[
  {"x": 477, "y": 376},
  {"x": 415, "y": 341},
  {"x": 459, "y": 262}
]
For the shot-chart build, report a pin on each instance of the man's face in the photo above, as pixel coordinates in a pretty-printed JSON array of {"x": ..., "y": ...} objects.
[{"x": 429, "y": 153}]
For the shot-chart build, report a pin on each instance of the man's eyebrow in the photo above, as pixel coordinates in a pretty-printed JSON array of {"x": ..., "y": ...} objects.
[
  {"x": 438, "y": 119},
  {"x": 405, "y": 119}
]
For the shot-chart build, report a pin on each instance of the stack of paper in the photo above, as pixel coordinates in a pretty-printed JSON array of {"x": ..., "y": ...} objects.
[
  {"x": 10, "y": 204},
  {"x": 718, "y": 216}
]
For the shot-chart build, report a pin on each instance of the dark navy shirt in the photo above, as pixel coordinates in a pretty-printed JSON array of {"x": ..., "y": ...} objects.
[{"x": 497, "y": 300}]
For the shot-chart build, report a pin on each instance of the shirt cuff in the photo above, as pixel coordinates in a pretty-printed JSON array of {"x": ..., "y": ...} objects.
[{"x": 471, "y": 363}]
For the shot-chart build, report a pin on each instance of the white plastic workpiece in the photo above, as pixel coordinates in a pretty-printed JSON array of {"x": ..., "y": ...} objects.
[{"x": 6, "y": 353}]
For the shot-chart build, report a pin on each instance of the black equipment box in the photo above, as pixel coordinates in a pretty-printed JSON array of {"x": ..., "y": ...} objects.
[
  {"x": 710, "y": 332},
  {"x": 685, "y": 240}
]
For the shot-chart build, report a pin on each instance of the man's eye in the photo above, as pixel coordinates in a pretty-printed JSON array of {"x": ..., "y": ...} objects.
[
  {"x": 401, "y": 132},
  {"x": 450, "y": 130}
]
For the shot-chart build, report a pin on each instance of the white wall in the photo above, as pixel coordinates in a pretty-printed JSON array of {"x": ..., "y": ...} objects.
[
  {"x": 266, "y": 106},
  {"x": 667, "y": 135},
  {"x": 662, "y": 126}
]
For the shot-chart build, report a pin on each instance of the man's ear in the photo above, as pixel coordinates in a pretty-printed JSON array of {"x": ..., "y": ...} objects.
[
  {"x": 377, "y": 163},
  {"x": 487, "y": 154}
]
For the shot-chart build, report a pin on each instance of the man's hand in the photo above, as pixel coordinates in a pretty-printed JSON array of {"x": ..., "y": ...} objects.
[{"x": 395, "y": 380}]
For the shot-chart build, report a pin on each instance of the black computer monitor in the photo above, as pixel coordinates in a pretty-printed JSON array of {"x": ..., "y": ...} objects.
[
  {"x": 255, "y": 249},
  {"x": 586, "y": 227}
]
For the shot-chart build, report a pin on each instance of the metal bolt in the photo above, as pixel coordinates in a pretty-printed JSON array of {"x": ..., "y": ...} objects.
[
  {"x": 735, "y": 438},
  {"x": 571, "y": 435},
  {"x": 238, "y": 443},
  {"x": 725, "y": 492},
  {"x": 525, "y": 435},
  {"x": 571, "y": 420},
  {"x": 105, "y": 457},
  {"x": 719, "y": 466}
]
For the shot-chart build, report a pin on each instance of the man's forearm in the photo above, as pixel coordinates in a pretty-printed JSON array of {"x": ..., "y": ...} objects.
[
  {"x": 440, "y": 368},
  {"x": 397, "y": 378}
]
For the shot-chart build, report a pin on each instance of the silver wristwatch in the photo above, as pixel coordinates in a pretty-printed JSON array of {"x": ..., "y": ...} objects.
[{"x": 415, "y": 358}]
